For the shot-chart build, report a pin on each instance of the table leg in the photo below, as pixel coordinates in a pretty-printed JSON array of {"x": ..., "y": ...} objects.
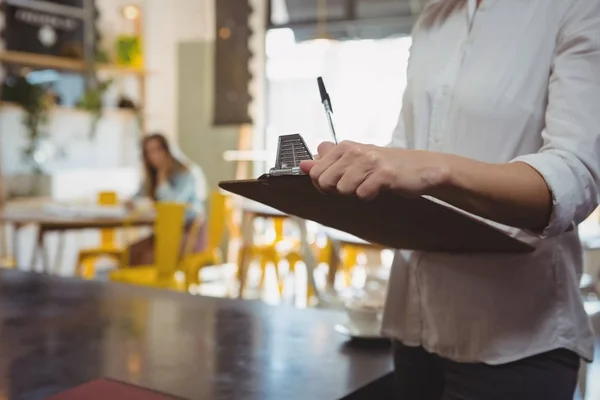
[
  {"x": 40, "y": 248},
  {"x": 3, "y": 242},
  {"x": 245, "y": 247},
  {"x": 34, "y": 253},
  {"x": 59, "y": 253},
  {"x": 334, "y": 263},
  {"x": 243, "y": 266},
  {"x": 45, "y": 261},
  {"x": 16, "y": 244},
  {"x": 309, "y": 258}
]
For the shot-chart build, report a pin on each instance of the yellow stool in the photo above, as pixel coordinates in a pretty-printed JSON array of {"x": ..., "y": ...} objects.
[
  {"x": 272, "y": 253},
  {"x": 87, "y": 258},
  {"x": 234, "y": 231},
  {"x": 168, "y": 231},
  {"x": 344, "y": 256},
  {"x": 293, "y": 258},
  {"x": 349, "y": 257}
]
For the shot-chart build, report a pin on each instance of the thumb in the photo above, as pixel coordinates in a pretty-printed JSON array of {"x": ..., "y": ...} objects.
[
  {"x": 324, "y": 148},
  {"x": 306, "y": 166}
]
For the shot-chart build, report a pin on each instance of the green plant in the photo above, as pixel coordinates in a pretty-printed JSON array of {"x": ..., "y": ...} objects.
[
  {"x": 36, "y": 103},
  {"x": 102, "y": 57},
  {"x": 128, "y": 50},
  {"x": 92, "y": 103}
]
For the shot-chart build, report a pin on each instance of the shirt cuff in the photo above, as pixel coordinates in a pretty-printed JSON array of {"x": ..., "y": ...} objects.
[{"x": 558, "y": 176}]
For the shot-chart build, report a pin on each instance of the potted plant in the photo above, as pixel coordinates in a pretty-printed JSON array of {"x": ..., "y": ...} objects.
[
  {"x": 92, "y": 103},
  {"x": 129, "y": 51},
  {"x": 36, "y": 102}
]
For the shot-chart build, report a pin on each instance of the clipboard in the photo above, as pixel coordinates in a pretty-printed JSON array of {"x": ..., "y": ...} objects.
[{"x": 389, "y": 220}]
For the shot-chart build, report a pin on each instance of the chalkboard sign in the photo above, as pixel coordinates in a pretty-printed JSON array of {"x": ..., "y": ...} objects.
[
  {"x": 232, "y": 56},
  {"x": 42, "y": 32}
]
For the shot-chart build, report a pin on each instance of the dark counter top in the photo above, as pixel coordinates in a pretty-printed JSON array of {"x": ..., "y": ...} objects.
[{"x": 58, "y": 333}]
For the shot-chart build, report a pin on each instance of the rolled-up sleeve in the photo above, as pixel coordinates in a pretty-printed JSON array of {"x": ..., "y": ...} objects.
[
  {"x": 399, "y": 139},
  {"x": 569, "y": 159},
  {"x": 405, "y": 121}
]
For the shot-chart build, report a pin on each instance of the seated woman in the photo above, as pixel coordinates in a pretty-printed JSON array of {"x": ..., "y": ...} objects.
[{"x": 169, "y": 178}]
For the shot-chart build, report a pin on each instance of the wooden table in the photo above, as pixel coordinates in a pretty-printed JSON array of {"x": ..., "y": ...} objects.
[
  {"x": 58, "y": 333},
  {"x": 51, "y": 222}
]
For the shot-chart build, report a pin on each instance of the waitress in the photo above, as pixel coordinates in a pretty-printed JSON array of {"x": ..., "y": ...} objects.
[{"x": 501, "y": 117}]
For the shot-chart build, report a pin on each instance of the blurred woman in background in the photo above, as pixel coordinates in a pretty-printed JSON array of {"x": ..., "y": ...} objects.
[{"x": 169, "y": 177}]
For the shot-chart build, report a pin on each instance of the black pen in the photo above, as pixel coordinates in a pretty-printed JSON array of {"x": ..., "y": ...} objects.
[{"x": 328, "y": 108}]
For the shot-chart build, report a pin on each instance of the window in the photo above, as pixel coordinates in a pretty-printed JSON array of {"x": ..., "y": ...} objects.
[{"x": 365, "y": 78}]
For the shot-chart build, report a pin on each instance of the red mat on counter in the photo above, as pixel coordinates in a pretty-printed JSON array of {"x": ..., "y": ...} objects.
[{"x": 104, "y": 389}]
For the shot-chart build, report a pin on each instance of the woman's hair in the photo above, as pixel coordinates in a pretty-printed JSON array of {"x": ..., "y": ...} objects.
[
  {"x": 151, "y": 174},
  {"x": 439, "y": 11}
]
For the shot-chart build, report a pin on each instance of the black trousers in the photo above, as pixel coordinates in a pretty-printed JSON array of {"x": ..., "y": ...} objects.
[{"x": 424, "y": 376}]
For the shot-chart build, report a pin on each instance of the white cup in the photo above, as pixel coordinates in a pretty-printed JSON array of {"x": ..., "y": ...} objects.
[{"x": 364, "y": 318}]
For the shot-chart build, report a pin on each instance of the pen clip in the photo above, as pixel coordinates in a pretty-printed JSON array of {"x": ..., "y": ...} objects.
[{"x": 325, "y": 99}]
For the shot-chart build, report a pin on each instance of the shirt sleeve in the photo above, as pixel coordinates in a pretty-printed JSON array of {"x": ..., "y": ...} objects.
[
  {"x": 399, "y": 134},
  {"x": 569, "y": 157},
  {"x": 180, "y": 190},
  {"x": 405, "y": 119}
]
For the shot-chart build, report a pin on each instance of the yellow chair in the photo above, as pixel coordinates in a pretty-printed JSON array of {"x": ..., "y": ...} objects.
[
  {"x": 344, "y": 256},
  {"x": 191, "y": 262},
  {"x": 87, "y": 258},
  {"x": 278, "y": 250},
  {"x": 168, "y": 232},
  {"x": 234, "y": 231},
  {"x": 350, "y": 254},
  {"x": 293, "y": 258}
]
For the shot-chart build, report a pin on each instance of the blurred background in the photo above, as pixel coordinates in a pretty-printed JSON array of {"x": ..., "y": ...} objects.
[
  {"x": 213, "y": 76},
  {"x": 83, "y": 82}
]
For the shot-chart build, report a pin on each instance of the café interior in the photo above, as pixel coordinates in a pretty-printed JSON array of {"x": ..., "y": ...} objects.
[{"x": 101, "y": 291}]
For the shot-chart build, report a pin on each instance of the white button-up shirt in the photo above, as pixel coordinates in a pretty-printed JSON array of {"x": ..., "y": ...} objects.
[{"x": 518, "y": 82}]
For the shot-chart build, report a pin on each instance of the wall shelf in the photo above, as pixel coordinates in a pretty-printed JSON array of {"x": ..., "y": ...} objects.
[
  {"x": 7, "y": 105},
  {"x": 63, "y": 63},
  {"x": 43, "y": 61}
]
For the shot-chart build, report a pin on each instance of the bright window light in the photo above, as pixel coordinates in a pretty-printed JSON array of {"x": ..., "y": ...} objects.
[
  {"x": 280, "y": 42},
  {"x": 355, "y": 71}
]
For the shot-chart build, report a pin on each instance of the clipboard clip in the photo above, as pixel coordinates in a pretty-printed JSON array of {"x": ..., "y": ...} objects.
[{"x": 291, "y": 150}]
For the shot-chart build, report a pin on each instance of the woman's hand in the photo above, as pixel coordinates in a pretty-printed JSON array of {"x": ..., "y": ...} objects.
[
  {"x": 514, "y": 194},
  {"x": 365, "y": 170},
  {"x": 129, "y": 205}
]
